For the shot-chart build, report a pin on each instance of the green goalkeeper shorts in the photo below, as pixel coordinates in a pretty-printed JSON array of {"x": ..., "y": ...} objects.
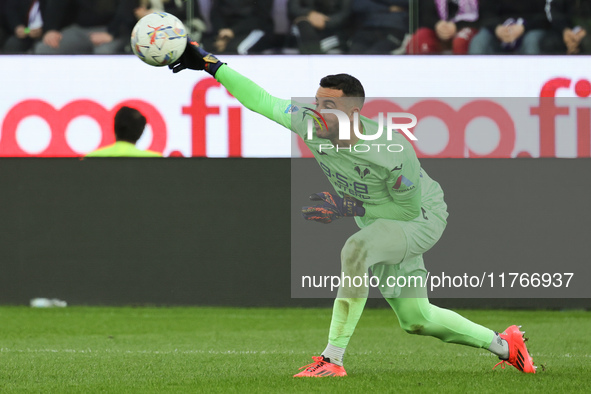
[{"x": 395, "y": 248}]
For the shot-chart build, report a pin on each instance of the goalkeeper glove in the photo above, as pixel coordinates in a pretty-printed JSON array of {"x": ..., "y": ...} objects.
[
  {"x": 196, "y": 58},
  {"x": 332, "y": 207}
]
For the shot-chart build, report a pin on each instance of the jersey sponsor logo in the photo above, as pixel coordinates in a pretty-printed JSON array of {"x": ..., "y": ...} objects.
[
  {"x": 343, "y": 183},
  {"x": 403, "y": 190},
  {"x": 363, "y": 173},
  {"x": 321, "y": 153},
  {"x": 291, "y": 109},
  {"x": 402, "y": 180},
  {"x": 397, "y": 168}
]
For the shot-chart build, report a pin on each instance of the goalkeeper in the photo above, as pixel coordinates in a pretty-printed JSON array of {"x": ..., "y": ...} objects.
[{"x": 400, "y": 211}]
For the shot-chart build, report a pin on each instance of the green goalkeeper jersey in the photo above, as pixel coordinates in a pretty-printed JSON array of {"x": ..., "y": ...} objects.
[{"x": 385, "y": 174}]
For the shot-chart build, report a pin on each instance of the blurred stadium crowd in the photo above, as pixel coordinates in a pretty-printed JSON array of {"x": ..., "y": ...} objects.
[{"x": 306, "y": 26}]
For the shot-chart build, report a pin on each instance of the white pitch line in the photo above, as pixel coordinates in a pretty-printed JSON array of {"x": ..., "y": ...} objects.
[
  {"x": 254, "y": 352},
  {"x": 176, "y": 351}
]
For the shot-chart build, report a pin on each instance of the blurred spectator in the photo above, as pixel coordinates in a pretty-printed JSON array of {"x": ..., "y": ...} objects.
[
  {"x": 177, "y": 8},
  {"x": 25, "y": 22},
  {"x": 239, "y": 26},
  {"x": 511, "y": 26},
  {"x": 382, "y": 27},
  {"x": 320, "y": 25},
  {"x": 566, "y": 37},
  {"x": 282, "y": 29},
  {"x": 85, "y": 26},
  {"x": 582, "y": 17},
  {"x": 4, "y": 32},
  {"x": 129, "y": 127},
  {"x": 280, "y": 17},
  {"x": 445, "y": 25}
]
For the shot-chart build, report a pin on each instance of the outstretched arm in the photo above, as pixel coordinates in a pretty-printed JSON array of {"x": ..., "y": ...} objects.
[{"x": 251, "y": 95}]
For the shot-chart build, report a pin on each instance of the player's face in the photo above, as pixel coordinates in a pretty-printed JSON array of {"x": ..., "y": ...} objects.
[{"x": 327, "y": 98}]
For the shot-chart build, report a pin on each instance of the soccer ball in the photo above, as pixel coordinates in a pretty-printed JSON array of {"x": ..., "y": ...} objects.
[{"x": 159, "y": 39}]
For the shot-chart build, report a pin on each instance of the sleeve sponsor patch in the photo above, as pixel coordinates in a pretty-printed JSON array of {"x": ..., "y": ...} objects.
[
  {"x": 291, "y": 109},
  {"x": 402, "y": 180}
]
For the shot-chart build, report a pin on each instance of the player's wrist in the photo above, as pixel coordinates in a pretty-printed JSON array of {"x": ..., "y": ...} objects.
[
  {"x": 333, "y": 207},
  {"x": 211, "y": 63},
  {"x": 352, "y": 207},
  {"x": 212, "y": 68}
]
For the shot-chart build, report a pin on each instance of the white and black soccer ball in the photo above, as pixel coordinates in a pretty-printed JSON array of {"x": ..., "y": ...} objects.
[{"x": 159, "y": 39}]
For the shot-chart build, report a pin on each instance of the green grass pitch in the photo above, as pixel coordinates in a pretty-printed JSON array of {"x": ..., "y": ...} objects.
[{"x": 189, "y": 350}]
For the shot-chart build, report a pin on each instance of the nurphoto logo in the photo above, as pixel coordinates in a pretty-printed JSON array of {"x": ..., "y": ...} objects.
[{"x": 345, "y": 129}]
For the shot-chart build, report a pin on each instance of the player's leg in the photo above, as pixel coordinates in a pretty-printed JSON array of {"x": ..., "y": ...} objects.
[
  {"x": 383, "y": 240},
  {"x": 418, "y": 316}
]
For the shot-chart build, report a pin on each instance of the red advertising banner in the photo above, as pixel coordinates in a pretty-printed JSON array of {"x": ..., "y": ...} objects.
[{"x": 540, "y": 107}]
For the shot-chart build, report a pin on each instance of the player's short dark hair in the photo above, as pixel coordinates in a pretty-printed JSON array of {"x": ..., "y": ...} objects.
[
  {"x": 350, "y": 85},
  {"x": 129, "y": 124}
]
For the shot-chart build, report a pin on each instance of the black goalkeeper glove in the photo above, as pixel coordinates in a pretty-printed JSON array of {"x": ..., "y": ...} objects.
[
  {"x": 333, "y": 207},
  {"x": 196, "y": 58}
]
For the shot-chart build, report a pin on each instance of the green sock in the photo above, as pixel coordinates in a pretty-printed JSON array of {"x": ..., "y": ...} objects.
[
  {"x": 345, "y": 315},
  {"x": 418, "y": 316}
]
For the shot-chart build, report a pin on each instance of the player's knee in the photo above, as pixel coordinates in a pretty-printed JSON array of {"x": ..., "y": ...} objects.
[
  {"x": 354, "y": 256},
  {"x": 414, "y": 322},
  {"x": 414, "y": 328}
]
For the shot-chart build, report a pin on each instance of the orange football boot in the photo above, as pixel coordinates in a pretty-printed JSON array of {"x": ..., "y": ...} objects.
[
  {"x": 320, "y": 368},
  {"x": 518, "y": 355}
]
